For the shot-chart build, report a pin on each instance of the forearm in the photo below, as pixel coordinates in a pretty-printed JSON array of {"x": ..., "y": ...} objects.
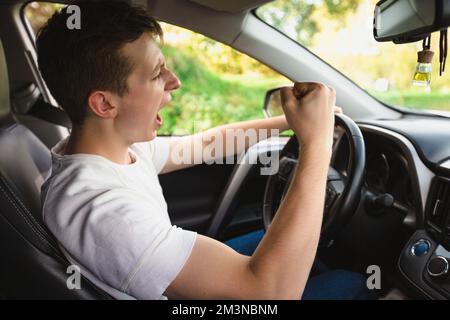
[{"x": 284, "y": 257}]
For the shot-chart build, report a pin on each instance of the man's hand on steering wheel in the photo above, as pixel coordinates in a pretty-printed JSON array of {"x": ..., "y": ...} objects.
[{"x": 309, "y": 111}]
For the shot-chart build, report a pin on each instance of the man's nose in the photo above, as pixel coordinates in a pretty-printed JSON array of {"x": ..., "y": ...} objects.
[{"x": 172, "y": 82}]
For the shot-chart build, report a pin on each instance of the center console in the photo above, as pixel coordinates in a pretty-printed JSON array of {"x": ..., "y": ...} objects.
[{"x": 424, "y": 261}]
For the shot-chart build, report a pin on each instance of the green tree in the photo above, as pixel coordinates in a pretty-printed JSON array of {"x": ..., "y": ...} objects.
[{"x": 299, "y": 18}]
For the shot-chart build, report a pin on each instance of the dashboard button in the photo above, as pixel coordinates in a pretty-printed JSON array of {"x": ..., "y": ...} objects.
[
  {"x": 420, "y": 247},
  {"x": 437, "y": 266}
]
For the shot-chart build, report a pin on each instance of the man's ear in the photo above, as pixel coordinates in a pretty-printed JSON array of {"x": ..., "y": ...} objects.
[{"x": 100, "y": 103}]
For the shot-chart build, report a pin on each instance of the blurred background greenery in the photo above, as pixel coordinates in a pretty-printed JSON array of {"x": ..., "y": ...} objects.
[{"x": 221, "y": 85}]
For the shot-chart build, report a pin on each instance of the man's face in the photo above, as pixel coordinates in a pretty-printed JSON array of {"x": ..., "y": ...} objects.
[{"x": 149, "y": 87}]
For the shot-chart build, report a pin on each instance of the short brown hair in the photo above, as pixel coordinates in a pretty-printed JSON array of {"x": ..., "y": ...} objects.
[{"x": 76, "y": 62}]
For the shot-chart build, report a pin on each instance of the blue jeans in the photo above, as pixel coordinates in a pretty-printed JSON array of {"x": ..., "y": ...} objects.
[{"x": 323, "y": 283}]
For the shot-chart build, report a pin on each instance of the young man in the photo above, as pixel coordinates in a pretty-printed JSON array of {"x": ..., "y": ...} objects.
[{"x": 103, "y": 201}]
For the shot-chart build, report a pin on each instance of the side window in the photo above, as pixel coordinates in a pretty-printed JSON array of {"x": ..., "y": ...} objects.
[
  {"x": 37, "y": 13},
  {"x": 218, "y": 84}
]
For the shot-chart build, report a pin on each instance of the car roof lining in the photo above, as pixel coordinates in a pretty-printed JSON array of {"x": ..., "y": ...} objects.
[
  {"x": 232, "y": 5},
  {"x": 218, "y": 25}
]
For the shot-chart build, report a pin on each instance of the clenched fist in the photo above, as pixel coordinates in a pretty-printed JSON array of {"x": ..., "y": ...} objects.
[{"x": 309, "y": 109}]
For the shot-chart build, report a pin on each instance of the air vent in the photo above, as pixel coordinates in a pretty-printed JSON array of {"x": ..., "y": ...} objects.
[{"x": 438, "y": 207}]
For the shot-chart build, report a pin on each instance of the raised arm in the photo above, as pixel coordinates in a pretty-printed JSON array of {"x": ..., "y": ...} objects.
[{"x": 280, "y": 266}]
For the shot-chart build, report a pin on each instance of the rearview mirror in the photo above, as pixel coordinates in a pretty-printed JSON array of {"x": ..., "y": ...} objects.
[{"x": 403, "y": 21}]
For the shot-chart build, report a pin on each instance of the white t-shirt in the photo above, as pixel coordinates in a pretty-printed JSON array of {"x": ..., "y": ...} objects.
[{"x": 111, "y": 220}]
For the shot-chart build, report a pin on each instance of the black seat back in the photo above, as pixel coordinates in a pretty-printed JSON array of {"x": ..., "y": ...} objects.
[{"x": 31, "y": 264}]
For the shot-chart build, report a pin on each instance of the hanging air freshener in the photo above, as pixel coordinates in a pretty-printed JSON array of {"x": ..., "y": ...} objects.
[{"x": 422, "y": 76}]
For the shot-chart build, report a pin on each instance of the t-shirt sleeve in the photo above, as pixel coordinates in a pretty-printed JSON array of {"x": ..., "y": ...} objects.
[
  {"x": 159, "y": 264},
  {"x": 159, "y": 260},
  {"x": 149, "y": 250}
]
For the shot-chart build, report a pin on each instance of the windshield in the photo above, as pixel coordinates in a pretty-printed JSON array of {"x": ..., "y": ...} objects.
[{"x": 340, "y": 32}]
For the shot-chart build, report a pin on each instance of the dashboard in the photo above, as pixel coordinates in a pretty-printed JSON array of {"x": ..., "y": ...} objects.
[
  {"x": 408, "y": 160},
  {"x": 405, "y": 160}
]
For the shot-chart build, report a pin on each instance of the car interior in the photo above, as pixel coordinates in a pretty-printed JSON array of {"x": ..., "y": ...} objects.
[{"x": 388, "y": 191}]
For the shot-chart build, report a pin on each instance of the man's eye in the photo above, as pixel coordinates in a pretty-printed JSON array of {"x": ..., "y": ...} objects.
[{"x": 157, "y": 77}]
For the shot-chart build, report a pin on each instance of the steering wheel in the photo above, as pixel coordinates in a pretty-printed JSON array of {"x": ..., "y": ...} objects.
[{"x": 343, "y": 189}]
